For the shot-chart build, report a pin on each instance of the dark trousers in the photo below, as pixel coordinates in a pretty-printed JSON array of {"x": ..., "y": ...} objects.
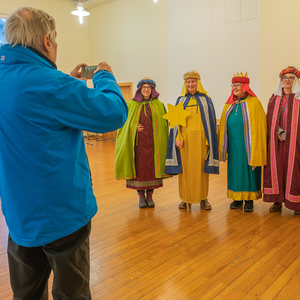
[{"x": 68, "y": 257}]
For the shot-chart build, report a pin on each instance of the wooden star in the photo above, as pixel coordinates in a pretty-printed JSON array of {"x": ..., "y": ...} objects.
[{"x": 176, "y": 115}]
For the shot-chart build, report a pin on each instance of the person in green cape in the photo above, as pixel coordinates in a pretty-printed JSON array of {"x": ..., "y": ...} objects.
[{"x": 141, "y": 144}]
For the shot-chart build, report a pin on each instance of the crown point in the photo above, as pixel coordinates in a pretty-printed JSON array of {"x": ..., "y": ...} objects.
[{"x": 240, "y": 74}]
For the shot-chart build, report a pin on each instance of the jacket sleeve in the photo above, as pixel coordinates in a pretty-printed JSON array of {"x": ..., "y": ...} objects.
[{"x": 100, "y": 109}]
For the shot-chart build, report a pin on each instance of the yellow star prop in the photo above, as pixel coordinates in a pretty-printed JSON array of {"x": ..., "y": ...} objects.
[{"x": 176, "y": 115}]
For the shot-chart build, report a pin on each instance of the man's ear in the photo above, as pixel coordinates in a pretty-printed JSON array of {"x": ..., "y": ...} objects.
[{"x": 46, "y": 43}]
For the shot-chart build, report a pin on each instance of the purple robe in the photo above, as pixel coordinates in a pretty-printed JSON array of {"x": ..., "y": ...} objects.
[{"x": 282, "y": 172}]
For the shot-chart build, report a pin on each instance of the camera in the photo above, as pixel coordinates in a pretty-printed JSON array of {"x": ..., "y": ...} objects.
[{"x": 88, "y": 72}]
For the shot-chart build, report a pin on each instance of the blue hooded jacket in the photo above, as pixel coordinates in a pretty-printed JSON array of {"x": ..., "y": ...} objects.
[{"x": 45, "y": 184}]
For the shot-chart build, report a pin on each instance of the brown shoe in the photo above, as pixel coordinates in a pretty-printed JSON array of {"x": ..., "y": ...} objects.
[
  {"x": 205, "y": 204},
  {"x": 277, "y": 206},
  {"x": 296, "y": 212},
  {"x": 182, "y": 205}
]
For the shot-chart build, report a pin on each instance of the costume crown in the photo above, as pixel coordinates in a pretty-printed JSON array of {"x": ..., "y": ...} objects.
[
  {"x": 240, "y": 78},
  {"x": 290, "y": 69},
  {"x": 191, "y": 74},
  {"x": 240, "y": 74},
  {"x": 147, "y": 80}
]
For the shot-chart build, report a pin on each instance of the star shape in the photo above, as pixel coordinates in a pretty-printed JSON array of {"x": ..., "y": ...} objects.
[{"x": 176, "y": 115}]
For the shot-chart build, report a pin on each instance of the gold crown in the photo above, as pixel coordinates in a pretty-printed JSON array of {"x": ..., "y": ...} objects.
[{"x": 240, "y": 75}]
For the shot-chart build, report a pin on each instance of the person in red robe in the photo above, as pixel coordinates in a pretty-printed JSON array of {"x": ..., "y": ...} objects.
[{"x": 282, "y": 172}]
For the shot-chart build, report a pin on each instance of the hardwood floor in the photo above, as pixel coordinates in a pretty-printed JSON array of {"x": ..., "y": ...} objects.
[{"x": 167, "y": 253}]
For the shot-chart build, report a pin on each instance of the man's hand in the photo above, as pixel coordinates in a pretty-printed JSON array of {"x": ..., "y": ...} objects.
[
  {"x": 280, "y": 138},
  {"x": 140, "y": 128},
  {"x": 179, "y": 144},
  {"x": 76, "y": 73},
  {"x": 103, "y": 66}
]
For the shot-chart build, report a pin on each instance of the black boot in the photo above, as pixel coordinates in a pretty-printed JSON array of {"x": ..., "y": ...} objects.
[
  {"x": 248, "y": 205},
  {"x": 236, "y": 204},
  {"x": 149, "y": 199},
  {"x": 142, "y": 202}
]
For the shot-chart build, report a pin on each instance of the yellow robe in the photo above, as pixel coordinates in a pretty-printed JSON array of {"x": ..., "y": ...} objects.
[
  {"x": 193, "y": 155},
  {"x": 257, "y": 131}
]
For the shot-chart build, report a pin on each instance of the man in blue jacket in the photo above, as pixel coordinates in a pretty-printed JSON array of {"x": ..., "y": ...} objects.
[{"x": 45, "y": 185}]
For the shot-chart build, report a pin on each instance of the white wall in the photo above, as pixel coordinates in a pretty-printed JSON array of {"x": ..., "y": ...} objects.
[
  {"x": 279, "y": 42},
  {"x": 7, "y": 6},
  {"x": 163, "y": 40},
  {"x": 199, "y": 38},
  {"x": 131, "y": 35},
  {"x": 72, "y": 38}
]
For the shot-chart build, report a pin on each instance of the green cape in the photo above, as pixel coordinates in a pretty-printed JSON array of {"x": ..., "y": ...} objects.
[{"x": 126, "y": 138}]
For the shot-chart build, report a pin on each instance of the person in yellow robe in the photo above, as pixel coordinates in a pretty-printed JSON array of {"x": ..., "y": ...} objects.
[
  {"x": 193, "y": 151},
  {"x": 243, "y": 138}
]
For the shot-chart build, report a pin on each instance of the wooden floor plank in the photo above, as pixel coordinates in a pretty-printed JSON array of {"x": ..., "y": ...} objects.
[{"x": 166, "y": 253}]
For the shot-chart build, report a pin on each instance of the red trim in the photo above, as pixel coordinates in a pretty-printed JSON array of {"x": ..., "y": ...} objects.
[
  {"x": 292, "y": 150},
  {"x": 273, "y": 158}
]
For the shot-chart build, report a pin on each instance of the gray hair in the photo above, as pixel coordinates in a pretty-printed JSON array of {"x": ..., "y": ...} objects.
[{"x": 27, "y": 26}]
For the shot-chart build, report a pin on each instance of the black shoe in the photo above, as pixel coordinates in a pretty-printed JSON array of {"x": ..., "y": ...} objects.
[
  {"x": 142, "y": 200},
  {"x": 248, "y": 206},
  {"x": 236, "y": 204},
  {"x": 149, "y": 199},
  {"x": 142, "y": 204},
  {"x": 150, "y": 203}
]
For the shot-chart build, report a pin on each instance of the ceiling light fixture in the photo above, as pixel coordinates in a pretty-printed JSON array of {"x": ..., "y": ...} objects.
[{"x": 80, "y": 12}]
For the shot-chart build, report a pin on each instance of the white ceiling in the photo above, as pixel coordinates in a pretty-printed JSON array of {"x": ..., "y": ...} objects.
[{"x": 88, "y": 4}]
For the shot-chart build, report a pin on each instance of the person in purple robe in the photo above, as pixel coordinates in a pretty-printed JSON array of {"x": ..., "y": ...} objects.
[{"x": 282, "y": 172}]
